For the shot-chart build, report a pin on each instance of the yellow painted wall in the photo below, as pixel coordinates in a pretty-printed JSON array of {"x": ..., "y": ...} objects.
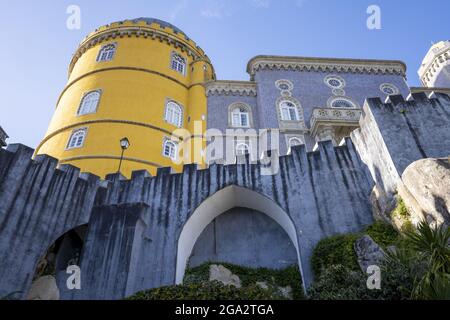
[{"x": 135, "y": 87}]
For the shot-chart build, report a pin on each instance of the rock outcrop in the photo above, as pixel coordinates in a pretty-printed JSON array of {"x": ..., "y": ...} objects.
[
  {"x": 44, "y": 288},
  {"x": 426, "y": 190},
  {"x": 223, "y": 275},
  {"x": 368, "y": 252}
]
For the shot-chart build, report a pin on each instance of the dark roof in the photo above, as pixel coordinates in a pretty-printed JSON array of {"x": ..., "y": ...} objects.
[{"x": 162, "y": 23}]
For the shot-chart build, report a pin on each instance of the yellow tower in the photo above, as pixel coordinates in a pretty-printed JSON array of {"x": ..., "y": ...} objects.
[{"x": 141, "y": 79}]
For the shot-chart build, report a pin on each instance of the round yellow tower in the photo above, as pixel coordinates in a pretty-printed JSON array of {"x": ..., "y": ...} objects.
[{"x": 141, "y": 79}]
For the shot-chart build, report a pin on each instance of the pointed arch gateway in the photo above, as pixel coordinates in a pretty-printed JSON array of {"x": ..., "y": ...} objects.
[{"x": 219, "y": 203}]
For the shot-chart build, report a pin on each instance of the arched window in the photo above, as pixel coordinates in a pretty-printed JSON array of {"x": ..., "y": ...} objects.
[
  {"x": 240, "y": 117},
  {"x": 294, "y": 141},
  {"x": 89, "y": 103},
  {"x": 289, "y": 111},
  {"x": 77, "y": 139},
  {"x": 242, "y": 148},
  {"x": 342, "y": 103},
  {"x": 106, "y": 53},
  {"x": 178, "y": 63},
  {"x": 170, "y": 149},
  {"x": 174, "y": 114}
]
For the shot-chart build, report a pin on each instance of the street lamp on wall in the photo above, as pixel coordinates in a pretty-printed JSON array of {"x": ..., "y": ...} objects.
[{"x": 124, "y": 144}]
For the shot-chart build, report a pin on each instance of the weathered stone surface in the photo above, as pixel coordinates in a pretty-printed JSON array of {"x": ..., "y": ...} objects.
[
  {"x": 44, "y": 288},
  {"x": 223, "y": 275},
  {"x": 428, "y": 183},
  {"x": 368, "y": 252}
]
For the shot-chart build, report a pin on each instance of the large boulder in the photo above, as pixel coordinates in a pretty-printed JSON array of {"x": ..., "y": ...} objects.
[
  {"x": 368, "y": 252},
  {"x": 426, "y": 190},
  {"x": 223, "y": 275},
  {"x": 44, "y": 288}
]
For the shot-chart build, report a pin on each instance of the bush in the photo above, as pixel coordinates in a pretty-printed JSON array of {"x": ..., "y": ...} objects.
[
  {"x": 383, "y": 233},
  {"x": 207, "y": 291},
  {"x": 289, "y": 276},
  {"x": 401, "y": 210},
  {"x": 337, "y": 250}
]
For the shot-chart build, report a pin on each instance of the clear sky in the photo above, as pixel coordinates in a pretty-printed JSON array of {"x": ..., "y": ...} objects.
[{"x": 37, "y": 46}]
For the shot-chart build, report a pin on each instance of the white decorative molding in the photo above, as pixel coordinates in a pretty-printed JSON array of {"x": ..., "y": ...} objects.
[
  {"x": 389, "y": 89},
  {"x": 334, "y": 117},
  {"x": 236, "y": 88},
  {"x": 326, "y": 65},
  {"x": 147, "y": 32},
  {"x": 332, "y": 99},
  {"x": 337, "y": 78}
]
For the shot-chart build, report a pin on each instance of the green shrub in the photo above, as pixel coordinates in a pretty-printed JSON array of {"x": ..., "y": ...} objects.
[
  {"x": 289, "y": 276},
  {"x": 337, "y": 282},
  {"x": 337, "y": 250},
  {"x": 207, "y": 291},
  {"x": 401, "y": 210},
  {"x": 383, "y": 233}
]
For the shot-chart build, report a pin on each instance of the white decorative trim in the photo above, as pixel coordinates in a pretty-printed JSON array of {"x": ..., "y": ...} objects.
[
  {"x": 334, "y": 117},
  {"x": 389, "y": 86},
  {"x": 281, "y": 82},
  {"x": 335, "y": 98},
  {"x": 331, "y": 77},
  {"x": 326, "y": 65},
  {"x": 236, "y": 88},
  {"x": 338, "y": 92},
  {"x": 235, "y": 105}
]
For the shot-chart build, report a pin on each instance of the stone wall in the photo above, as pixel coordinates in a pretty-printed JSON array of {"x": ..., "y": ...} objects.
[
  {"x": 395, "y": 134},
  {"x": 134, "y": 225}
]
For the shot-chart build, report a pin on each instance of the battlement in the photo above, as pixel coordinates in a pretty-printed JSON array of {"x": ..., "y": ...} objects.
[{"x": 143, "y": 27}]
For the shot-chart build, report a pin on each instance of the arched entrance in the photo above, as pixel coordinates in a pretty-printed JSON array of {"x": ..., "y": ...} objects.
[{"x": 222, "y": 201}]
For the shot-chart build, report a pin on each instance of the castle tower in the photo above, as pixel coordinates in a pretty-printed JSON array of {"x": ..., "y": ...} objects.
[
  {"x": 141, "y": 79},
  {"x": 435, "y": 69}
]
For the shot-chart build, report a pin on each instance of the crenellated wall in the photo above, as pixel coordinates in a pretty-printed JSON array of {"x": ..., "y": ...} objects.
[
  {"x": 142, "y": 231},
  {"x": 132, "y": 242},
  {"x": 393, "y": 135}
]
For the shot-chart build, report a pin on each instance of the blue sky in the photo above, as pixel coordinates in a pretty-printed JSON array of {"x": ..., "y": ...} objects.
[{"x": 37, "y": 46}]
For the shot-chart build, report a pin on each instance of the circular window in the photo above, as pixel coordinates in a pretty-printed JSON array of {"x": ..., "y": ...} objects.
[
  {"x": 284, "y": 85},
  {"x": 335, "y": 82},
  {"x": 389, "y": 89},
  {"x": 342, "y": 104}
]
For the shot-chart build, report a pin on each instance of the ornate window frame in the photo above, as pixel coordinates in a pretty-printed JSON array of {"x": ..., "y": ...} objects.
[
  {"x": 236, "y": 105},
  {"x": 77, "y": 145},
  {"x": 241, "y": 143},
  {"x": 167, "y": 141},
  {"x": 174, "y": 65},
  {"x": 181, "y": 108},
  {"x": 290, "y": 137},
  {"x": 330, "y": 77},
  {"x": 296, "y": 103},
  {"x": 288, "y": 83},
  {"x": 352, "y": 102},
  {"x": 109, "y": 56},
  {"x": 391, "y": 86},
  {"x": 82, "y": 101}
]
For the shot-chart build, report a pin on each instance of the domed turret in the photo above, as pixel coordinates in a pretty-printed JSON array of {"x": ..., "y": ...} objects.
[{"x": 141, "y": 79}]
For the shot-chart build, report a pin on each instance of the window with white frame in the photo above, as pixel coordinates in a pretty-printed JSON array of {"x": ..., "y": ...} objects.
[
  {"x": 289, "y": 111},
  {"x": 342, "y": 103},
  {"x": 240, "y": 117},
  {"x": 174, "y": 114},
  {"x": 170, "y": 149},
  {"x": 89, "y": 103},
  {"x": 77, "y": 138},
  {"x": 242, "y": 148},
  {"x": 107, "y": 52},
  {"x": 178, "y": 63}
]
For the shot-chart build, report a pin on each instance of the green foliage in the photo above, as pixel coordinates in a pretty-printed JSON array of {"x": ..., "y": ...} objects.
[
  {"x": 432, "y": 247},
  {"x": 207, "y": 291},
  {"x": 196, "y": 285},
  {"x": 248, "y": 276},
  {"x": 401, "y": 210},
  {"x": 337, "y": 282},
  {"x": 383, "y": 233},
  {"x": 337, "y": 250}
]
